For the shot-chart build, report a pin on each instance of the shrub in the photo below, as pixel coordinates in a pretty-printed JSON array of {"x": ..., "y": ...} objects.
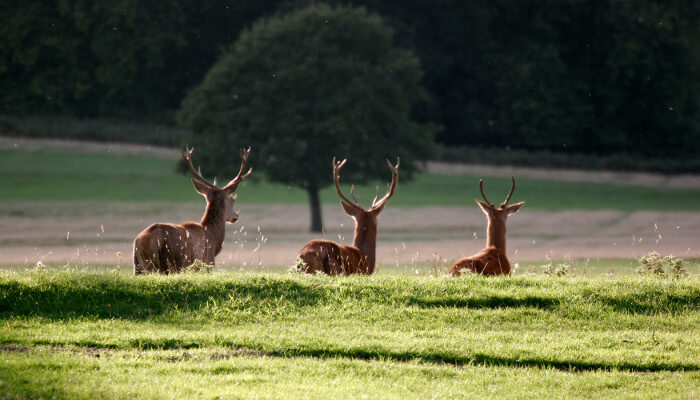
[
  {"x": 653, "y": 264},
  {"x": 556, "y": 270},
  {"x": 299, "y": 266},
  {"x": 198, "y": 266}
]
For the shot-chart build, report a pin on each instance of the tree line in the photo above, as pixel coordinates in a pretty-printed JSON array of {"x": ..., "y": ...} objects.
[{"x": 587, "y": 76}]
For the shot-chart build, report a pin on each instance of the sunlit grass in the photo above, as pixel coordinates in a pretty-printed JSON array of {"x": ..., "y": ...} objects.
[
  {"x": 87, "y": 335},
  {"x": 579, "y": 267},
  {"x": 80, "y": 373}
]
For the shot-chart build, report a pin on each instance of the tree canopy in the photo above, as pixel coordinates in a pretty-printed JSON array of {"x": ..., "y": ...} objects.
[
  {"x": 593, "y": 76},
  {"x": 305, "y": 87}
]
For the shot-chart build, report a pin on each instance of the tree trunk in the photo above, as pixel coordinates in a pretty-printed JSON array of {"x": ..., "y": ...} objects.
[{"x": 316, "y": 221}]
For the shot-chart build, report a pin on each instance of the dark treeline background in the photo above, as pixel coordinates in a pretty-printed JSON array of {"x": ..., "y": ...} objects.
[{"x": 585, "y": 76}]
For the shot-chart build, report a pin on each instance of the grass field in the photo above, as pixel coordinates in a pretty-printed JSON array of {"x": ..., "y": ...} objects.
[
  {"x": 95, "y": 331},
  {"x": 54, "y": 176},
  {"x": 86, "y": 335}
]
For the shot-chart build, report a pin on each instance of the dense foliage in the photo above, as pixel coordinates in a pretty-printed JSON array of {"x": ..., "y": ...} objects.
[
  {"x": 303, "y": 88},
  {"x": 601, "y": 76}
]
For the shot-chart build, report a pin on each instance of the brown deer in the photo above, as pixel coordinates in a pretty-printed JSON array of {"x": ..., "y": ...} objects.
[
  {"x": 492, "y": 260},
  {"x": 336, "y": 259},
  {"x": 169, "y": 248}
]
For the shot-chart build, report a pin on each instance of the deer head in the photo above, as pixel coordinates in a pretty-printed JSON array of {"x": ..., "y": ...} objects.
[
  {"x": 218, "y": 199},
  {"x": 497, "y": 216},
  {"x": 353, "y": 207}
]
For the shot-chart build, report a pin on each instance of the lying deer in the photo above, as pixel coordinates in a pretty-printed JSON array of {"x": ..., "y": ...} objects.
[
  {"x": 492, "y": 260},
  {"x": 168, "y": 248},
  {"x": 335, "y": 259}
]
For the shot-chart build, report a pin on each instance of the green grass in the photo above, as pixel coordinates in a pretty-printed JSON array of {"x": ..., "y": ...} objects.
[
  {"x": 81, "y": 335},
  {"x": 223, "y": 373},
  {"x": 590, "y": 268},
  {"x": 52, "y": 176}
]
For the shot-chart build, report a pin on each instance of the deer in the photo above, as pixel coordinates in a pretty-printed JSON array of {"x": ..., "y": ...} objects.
[
  {"x": 169, "y": 248},
  {"x": 324, "y": 256},
  {"x": 492, "y": 260}
]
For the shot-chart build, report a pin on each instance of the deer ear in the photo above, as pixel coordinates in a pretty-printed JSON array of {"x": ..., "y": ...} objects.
[
  {"x": 486, "y": 208},
  {"x": 200, "y": 187},
  {"x": 379, "y": 209},
  {"x": 349, "y": 209},
  {"x": 513, "y": 208}
]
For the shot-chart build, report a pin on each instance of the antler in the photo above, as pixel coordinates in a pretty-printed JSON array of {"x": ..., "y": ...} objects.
[
  {"x": 187, "y": 156},
  {"x": 337, "y": 166},
  {"x": 481, "y": 187},
  {"x": 394, "y": 181},
  {"x": 233, "y": 183},
  {"x": 352, "y": 194},
  {"x": 505, "y": 203}
]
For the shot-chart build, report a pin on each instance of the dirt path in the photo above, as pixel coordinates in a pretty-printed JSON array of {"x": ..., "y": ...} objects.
[{"x": 95, "y": 233}]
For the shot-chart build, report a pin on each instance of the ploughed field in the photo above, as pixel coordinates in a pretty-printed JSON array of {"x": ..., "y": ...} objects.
[{"x": 68, "y": 334}]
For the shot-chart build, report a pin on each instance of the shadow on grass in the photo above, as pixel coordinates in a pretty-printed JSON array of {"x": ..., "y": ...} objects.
[
  {"x": 67, "y": 296},
  {"x": 481, "y": 359},
  {"x": 662, "y": 302},
  {"x": 129, "y": 298},
  {"x": 443, "y": 358},
  {"x": 485, "y": 302}
]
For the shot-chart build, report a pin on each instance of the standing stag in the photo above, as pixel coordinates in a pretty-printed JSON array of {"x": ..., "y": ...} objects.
[
  {"x": 335, "y": 259},
  {"x": 492, "y": 260},
  {"x": 168, "y": 248}
]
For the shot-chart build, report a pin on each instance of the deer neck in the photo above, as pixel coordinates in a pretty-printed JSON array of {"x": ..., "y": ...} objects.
[
  {"x": 365, "y": 239},
  {"x": 496, "y": 234},
  {"x": 214, "y": 224}
]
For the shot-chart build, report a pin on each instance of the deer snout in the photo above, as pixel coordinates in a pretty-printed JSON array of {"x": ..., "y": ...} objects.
[{"x": 233, "y": 217}]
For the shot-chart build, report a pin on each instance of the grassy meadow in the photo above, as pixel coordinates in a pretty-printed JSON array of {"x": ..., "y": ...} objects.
[
  {"x": 288, "y": 335},
  {"x": 57, "y": 176},
  {"x": 95, "y": 331}
]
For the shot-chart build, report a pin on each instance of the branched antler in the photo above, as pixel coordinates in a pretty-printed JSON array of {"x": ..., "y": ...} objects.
[
  {"x": 352, "y": 194},
  {"x": 394, "y": 181},
  {"x": 337, "y": 166},
  {"x": 187, "y": 156},
  {"x": 481, "y": 187},
  {"x": 233, "y": 184},
  {"x": 505, "y": 203}
]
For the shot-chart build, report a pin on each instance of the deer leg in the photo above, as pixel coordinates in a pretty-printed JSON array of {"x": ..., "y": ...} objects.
[
  {"x": 312, "y": 260},
  {"x": 138, "y": 258}
]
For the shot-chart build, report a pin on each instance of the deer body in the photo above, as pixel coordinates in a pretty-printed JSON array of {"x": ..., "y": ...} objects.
[
  {"x": 169, "y": 248},
  {"x": 332, "y": 258},
  {"x": 488, "y": 261},
  {"x": 491, "y": 260},
  {"x": 337, "y": 259}
]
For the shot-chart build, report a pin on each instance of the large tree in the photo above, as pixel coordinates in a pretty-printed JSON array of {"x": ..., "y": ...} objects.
[{"x": 304, "y": 87}]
